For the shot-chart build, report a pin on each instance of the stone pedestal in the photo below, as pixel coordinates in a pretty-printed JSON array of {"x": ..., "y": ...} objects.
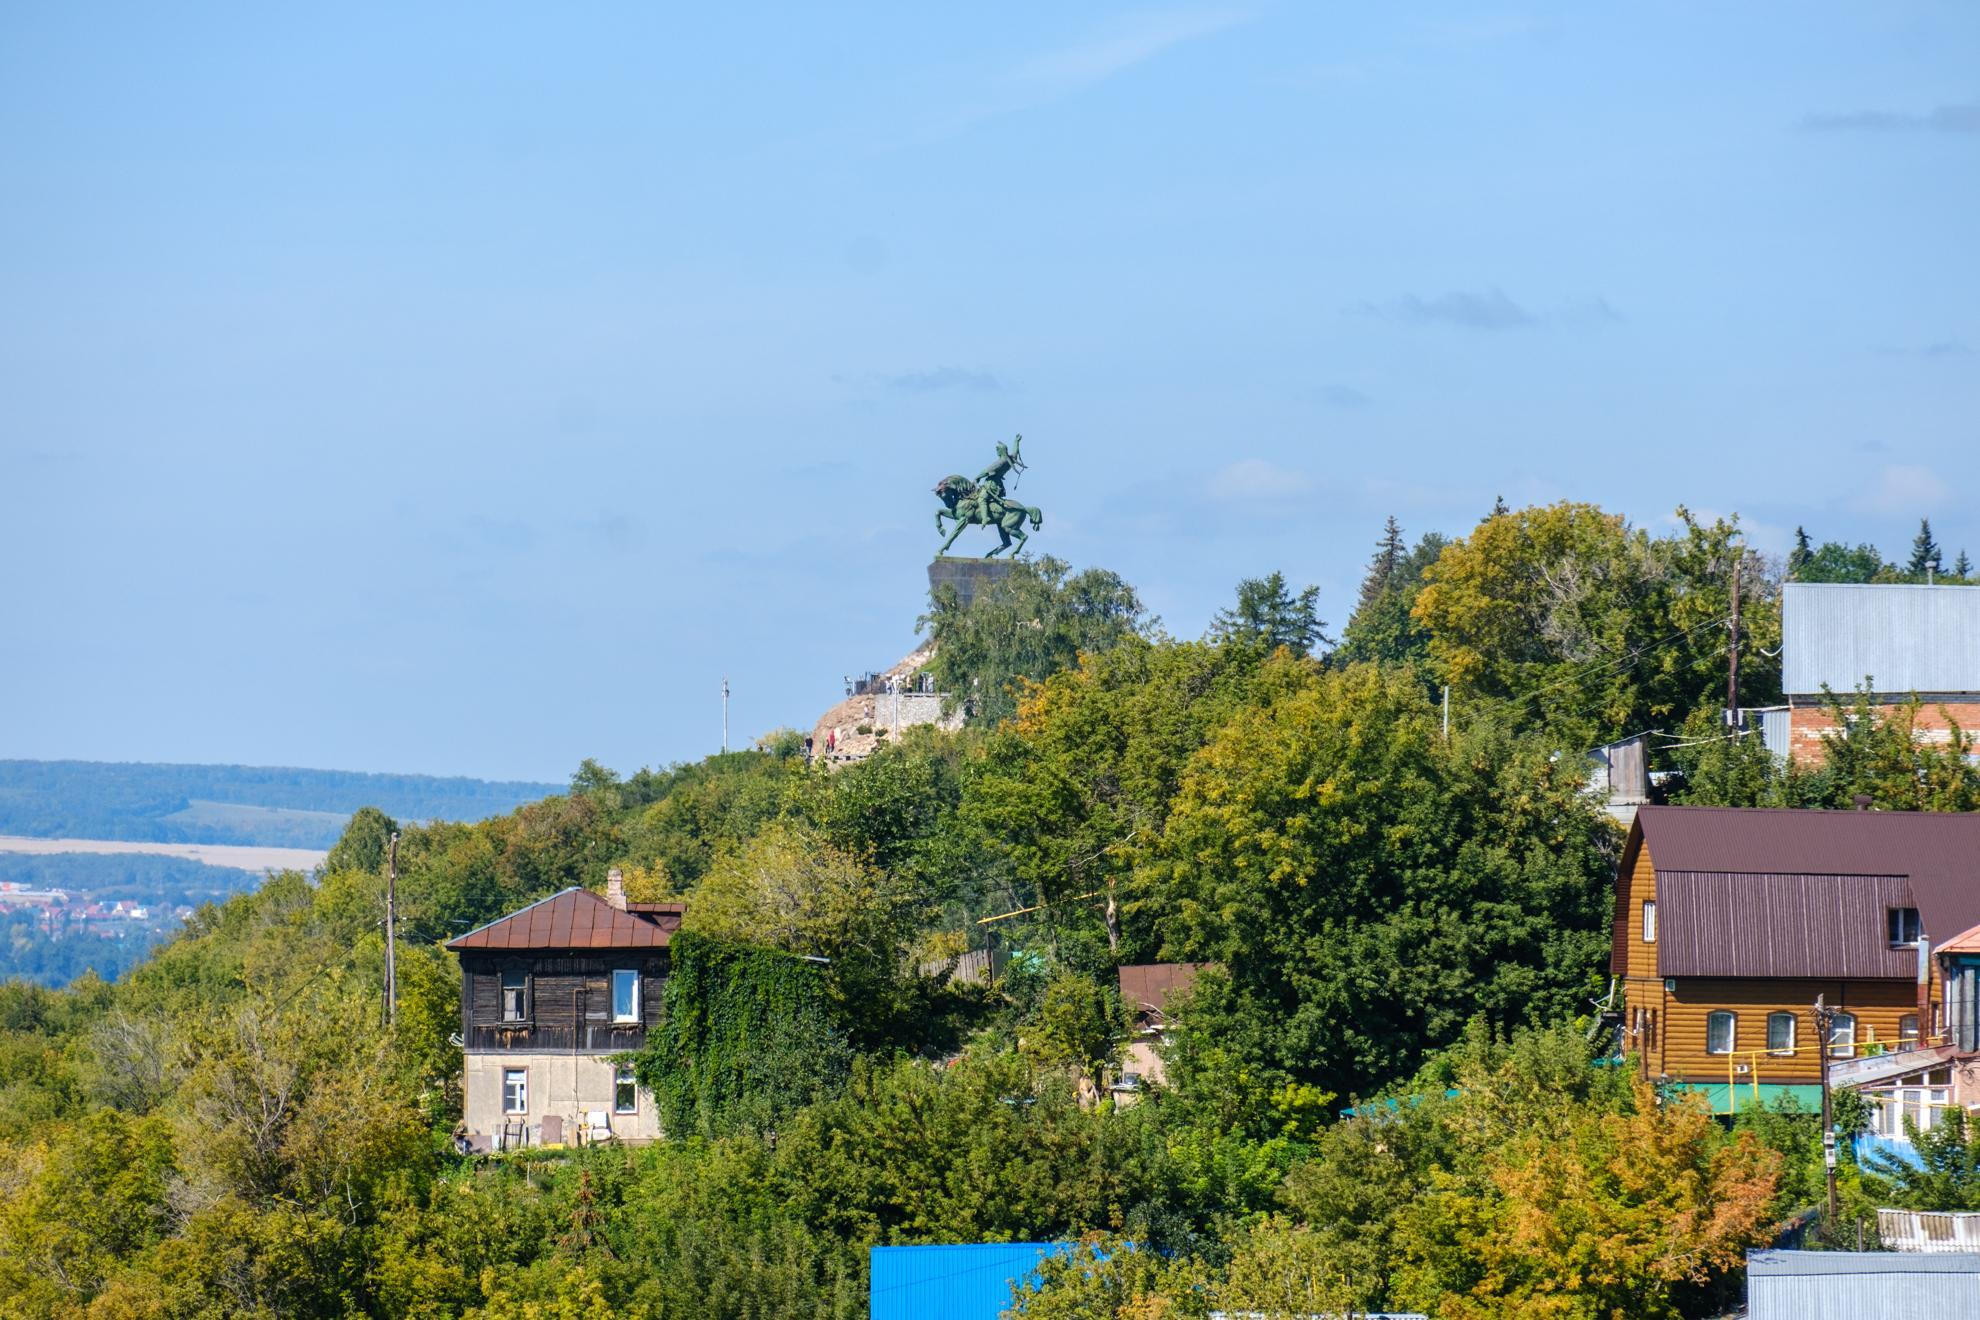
[{"x": 967, "y": 576}]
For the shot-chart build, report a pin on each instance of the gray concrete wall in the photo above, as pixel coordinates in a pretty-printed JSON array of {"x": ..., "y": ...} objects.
[{"x": 568, "y": 1085}]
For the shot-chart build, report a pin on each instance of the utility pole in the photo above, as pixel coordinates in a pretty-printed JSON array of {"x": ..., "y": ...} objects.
[
  {"x": 391, "y": 932},
  {"x": 1822, "y": 1024},
  {"x": 725, "y": 714},
  {"x": 1732, "y": 668}
]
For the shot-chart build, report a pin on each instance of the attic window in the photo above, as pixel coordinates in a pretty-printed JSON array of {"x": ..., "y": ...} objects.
[
  {"x": 1903, "y": 924},
  {"x": 1650, "y": 921}
]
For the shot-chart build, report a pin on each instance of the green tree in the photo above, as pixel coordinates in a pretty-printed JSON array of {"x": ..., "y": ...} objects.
[
  {"x": 1594, "y": 626},
  {"x": 1028, "y": 626},
  {"x": 1947, "y": 1173},
  {"x": 1924, "y": 551},
  {"x": 1798, "y": 557},
  {"x": 1962, "y": 567},
  {"x": 1369, "y": 885},
  {"x": 1107, "y": 1277},
  {"x": 1081, "y": 1025},
  {"x": 364, "y": 842},
  {"x": 793, "y": 890},
  {"x": 1383, "y": 627},
  {"x": 1832, "y": 561},
  {"x": 1875, "y": 748},
  {"x": 1268, "y": 615},
  {"x": 1063, "y": 798},
  {"x": 1382, "y": 569}
]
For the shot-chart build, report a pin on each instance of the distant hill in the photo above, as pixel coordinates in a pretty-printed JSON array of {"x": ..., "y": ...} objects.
[{"x": 278, "y": 806}]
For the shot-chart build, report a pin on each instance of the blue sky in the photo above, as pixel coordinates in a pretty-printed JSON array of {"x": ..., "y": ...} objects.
[{"x": 469, "y": 390}]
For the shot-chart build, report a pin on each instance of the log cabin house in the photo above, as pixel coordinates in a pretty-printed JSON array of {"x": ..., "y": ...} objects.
[
  {"x": 1731, "y": 922},
  {"x": 552, "y": 996}
]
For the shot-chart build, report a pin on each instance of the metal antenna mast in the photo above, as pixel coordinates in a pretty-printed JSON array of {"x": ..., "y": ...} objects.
[{"x": 725, "y": 714}]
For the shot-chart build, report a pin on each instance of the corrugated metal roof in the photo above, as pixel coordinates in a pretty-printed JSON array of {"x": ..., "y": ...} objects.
[
  {"x": 1730, "y": 923},
  {"x": 963, "y": 1282},
  {"x": 1905, "y": 638},
  {"x": 1937, "y": 852},
  {"x": 573, "y": 919},
  {"x": 1146, "y": 987}
]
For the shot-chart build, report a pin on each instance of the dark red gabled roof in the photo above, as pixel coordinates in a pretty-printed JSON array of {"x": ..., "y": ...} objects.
[
  {"x": 577, "y": 919},
  {"x": 1759, "y": 891}
]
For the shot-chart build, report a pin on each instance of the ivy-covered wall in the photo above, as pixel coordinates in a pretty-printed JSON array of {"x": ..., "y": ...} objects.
[{"x": 747, "y": 1035}]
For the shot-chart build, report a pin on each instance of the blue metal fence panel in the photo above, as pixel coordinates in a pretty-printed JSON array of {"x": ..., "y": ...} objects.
[{"x": 965, "y": 1282}]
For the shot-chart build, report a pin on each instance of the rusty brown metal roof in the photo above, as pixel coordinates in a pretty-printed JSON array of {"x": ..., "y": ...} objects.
[
  {"x": 576, "y": 919},
  {"x": 1755, "y": 885},
  {"x": 1146, "y": 987}
]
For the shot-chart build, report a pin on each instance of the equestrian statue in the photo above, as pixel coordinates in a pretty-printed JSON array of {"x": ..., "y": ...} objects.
[{"x": 986, "y": 503}]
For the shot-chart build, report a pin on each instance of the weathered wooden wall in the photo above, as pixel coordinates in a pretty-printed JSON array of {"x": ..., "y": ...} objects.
[{"x": 570, "y": 1001}]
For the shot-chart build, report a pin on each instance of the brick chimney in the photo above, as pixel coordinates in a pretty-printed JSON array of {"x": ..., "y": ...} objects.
[{"x": 615, "y": 889}]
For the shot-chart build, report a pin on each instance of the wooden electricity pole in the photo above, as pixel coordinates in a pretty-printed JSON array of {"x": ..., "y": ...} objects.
[{"x": 391, "y": 932}]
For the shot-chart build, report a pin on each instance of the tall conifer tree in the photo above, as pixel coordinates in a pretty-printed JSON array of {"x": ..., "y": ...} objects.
[{"x": 1925, "y": 550}]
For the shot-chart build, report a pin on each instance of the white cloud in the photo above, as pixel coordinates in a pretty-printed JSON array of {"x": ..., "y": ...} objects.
[
  {"x": 1258, "y": 481},
  {"x": 1963, "y": 117},
  {"x": 1906, "y": 489},
  {"x": 1051, "y": 75},
  {"x": 1140, "y": 38}
]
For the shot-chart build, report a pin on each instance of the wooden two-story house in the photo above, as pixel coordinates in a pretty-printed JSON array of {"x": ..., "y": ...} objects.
[
  {"x": 552, "y": 996},
  {"x": 1730, "y": 924}
]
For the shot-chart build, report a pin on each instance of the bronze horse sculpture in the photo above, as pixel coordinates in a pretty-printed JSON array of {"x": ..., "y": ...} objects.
[{"x": 985, "y": 503}]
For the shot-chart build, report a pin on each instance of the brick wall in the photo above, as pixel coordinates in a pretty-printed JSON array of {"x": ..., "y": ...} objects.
[{"x": 1807, "y": 724}]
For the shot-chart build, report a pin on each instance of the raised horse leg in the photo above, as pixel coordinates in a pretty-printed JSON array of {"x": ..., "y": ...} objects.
[{"x": 960, "y": 524}]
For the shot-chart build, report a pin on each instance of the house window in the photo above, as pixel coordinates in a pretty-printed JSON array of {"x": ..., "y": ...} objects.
[
  {"x": 1903, "y": 925},
  {"x": 625, "y": 1091},
  {"x": 1720, "y": 1034},
  {"x": 1780, "y": 1033},
  {"x": 515, "y": 996},
  {"x": 1650, "y": 921},
  {"x": 1842, "y": 1036},
  {"x": 515, "y": 1090},
  {"x": 625, "y": 995},
  {"x": 1908, "y": 1029}
]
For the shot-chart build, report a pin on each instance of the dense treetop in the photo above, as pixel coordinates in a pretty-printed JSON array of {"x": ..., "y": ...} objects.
[{"x": 1386, "y": 1089}]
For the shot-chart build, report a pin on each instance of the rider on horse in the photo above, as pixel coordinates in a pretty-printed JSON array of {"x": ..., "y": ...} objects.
[{"x": 990, "y": 483}]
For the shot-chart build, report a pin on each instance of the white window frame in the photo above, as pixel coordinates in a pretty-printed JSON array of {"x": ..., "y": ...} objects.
[
  {"x": 634, "y": 1015},
  {"x": 622, "y": 1075},
  {"x": 520, "y": 1077},
  {"x": 1732, "y": 1030},
  {"x": 1773, "y": 1019},
  {"x": 1841, "y": 1042},
  {"x": 1649, "y": 921},
  {"x": 1895, "y": 925}
]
